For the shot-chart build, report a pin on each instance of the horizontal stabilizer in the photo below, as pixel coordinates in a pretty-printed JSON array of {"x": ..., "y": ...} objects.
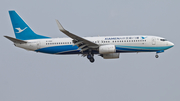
[{"x": 15, "y": 40}]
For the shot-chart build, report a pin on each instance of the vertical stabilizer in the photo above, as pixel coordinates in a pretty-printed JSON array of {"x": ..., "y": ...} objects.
[{"x": 21, "y": 30}]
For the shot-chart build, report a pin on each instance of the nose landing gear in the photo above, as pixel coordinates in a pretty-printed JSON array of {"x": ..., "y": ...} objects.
[
  {"x": 156, "y": 55},
  {"x": 160, "y": 51}
]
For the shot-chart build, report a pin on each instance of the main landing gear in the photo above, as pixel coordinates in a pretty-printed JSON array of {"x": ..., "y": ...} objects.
[{"x": 90, "y": 57}]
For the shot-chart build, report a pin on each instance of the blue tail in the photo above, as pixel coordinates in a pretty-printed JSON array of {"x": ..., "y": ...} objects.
[{"x": 21, "y": 29}]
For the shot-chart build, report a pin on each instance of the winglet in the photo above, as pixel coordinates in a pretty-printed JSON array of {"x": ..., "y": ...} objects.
[
  {"x": 15, "y": 40},
  {"x": 75, "y": 37},
  {"x": 60, "y": 26}
]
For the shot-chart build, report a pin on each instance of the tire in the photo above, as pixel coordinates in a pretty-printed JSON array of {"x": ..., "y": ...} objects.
[
  {"x": 91, "y": 60},
  {"x": 156, "y": 56}
]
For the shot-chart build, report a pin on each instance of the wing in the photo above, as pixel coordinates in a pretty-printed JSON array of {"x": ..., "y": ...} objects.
[{"x": 82, "y": 43}]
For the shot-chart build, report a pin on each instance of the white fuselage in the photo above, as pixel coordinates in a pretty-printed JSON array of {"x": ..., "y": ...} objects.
[
  {"x": 109, "y": 47},
  {"x": 139, "y": 43}
]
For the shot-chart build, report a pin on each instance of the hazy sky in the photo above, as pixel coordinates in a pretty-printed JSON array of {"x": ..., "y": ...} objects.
[{"x": 31, "y": 76}]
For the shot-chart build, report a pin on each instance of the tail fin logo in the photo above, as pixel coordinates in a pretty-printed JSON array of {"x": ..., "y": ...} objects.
[{"x": 20, "y": 30}]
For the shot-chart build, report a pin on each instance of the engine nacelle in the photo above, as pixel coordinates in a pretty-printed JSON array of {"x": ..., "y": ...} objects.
[
  {"x": 110, "y": 56},
  {"x": 105, "y": 49}
]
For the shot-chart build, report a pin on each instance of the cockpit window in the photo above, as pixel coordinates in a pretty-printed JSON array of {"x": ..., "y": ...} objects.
[{"x": 163, "y": 39}]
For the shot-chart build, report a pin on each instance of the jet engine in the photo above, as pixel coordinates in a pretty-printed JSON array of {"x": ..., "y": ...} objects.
[
  {"x": 105, "y": 49},
  {"x": 110, "y": 56}
]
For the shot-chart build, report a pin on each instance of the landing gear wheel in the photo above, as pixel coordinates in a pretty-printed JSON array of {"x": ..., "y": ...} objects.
[
  {"x": 90, "y": 56},
  {"x": 156, "y": 56},
  {"x": 91, "y": 60}
]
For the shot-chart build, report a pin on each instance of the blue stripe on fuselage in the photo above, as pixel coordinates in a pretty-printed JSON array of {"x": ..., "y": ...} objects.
[
  {"x": 58, "y": 49},
  {"x": 142, "y": 49},
  {"x": 70, "y": 49}
]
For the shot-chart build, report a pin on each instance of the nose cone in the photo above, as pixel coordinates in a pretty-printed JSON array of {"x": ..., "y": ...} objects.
[{"x": 171, "y": 44}]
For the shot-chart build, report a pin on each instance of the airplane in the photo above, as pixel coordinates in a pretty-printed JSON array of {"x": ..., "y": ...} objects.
[{"x": 108, "y": 47}]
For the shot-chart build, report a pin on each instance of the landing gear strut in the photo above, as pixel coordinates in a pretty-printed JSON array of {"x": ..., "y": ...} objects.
[{"x": 91, "y": 58}]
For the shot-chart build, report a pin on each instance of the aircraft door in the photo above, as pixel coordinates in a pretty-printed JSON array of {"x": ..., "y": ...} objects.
[{"x": 153, "y": 41}]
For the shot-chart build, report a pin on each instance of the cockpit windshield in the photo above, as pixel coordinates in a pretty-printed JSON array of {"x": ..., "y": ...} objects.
[{"x": 163, "y": 39}]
